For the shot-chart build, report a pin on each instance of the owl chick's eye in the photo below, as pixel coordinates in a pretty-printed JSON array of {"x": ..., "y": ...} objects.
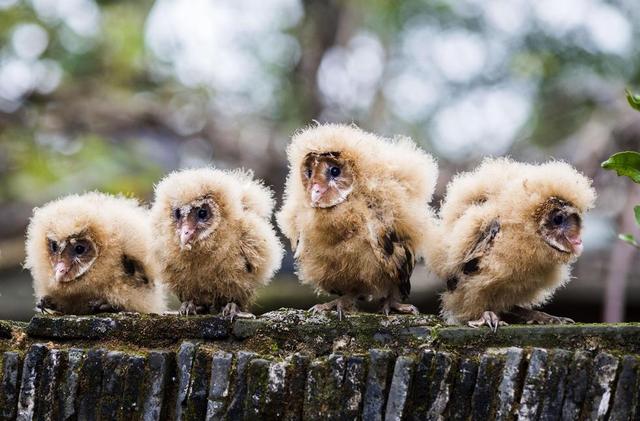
[
  {"x": 177, "y": 214},
  {"x": 308, "y": 173},
  {"x": 558, "y": 219},
  {"x": 334, "y": 171},
  {"x": 79, "y": 249},
  {"x": 203, "y": 214},
  {"x": 53, "y": 246}
]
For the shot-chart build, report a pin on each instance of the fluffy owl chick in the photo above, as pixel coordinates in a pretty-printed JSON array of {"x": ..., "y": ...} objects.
[
  {"x": 510, "y": 240},
  {"x": 213, "y": 239},
  {"x": 90, "y": 253},
  {"x": 356, "y": 212}
]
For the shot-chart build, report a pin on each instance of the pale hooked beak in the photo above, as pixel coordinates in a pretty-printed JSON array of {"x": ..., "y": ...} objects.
[
  {"x": 61, "y": 271},
  {"x": 316, "y": 192},
  {"x": 576, "y": 245},
  {"x": 186, "y": 235}
]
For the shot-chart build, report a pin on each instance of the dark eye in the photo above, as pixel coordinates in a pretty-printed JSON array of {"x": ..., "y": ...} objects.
[
  {"x": 79, "y": 249},
  {"x": 308, "y": 173},
  {"x": 202, "y": 213},
  {"x": 334, "y": 171},
  {"x": 177, "y": 214},
  {"x": 558, "y": 219},
  {"x": 53, "y": 246}
]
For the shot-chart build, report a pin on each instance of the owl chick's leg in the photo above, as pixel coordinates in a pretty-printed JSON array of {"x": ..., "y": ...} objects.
[
  {"x": 488, "y": 318},
  {"x": 102, "y": 306},
  {"x": 232, "y": 310},
  {"x": 46, "y": 305},
  {"x": 190, "y": 308},
  {"x": 391, "y": 304},
  {"x": 341, "y": 304},
  {"x": 538, "y": 317}
]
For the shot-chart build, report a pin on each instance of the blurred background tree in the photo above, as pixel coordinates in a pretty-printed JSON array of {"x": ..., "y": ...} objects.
[{"x": 112, "y": 94}]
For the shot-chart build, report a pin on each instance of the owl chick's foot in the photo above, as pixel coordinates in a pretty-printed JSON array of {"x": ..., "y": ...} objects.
[
  {"x": 538, "y": 317},
  {"x": 189, "y": 308},
  {"x": 489, "y": 318},
  {"x": 232, "y": 310},
  {"x": 341, "y": 305},
  {"x": 46, "y": 305},
  {"x": 390, "y": 305},
  {"x": 102, "y": 306}
]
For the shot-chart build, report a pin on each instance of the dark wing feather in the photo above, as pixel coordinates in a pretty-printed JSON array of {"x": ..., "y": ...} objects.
[
  {"x": 395, "y": 256},
  {"x": 135, "y": 270},
  {"x": 471, "y": 262}
]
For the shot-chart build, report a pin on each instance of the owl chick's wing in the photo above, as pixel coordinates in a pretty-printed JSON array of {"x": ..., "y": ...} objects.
[
  {"x": 393, "y": 252},
  {"x": 470, "y": 264},
  {"x": 134, "y": 270}
]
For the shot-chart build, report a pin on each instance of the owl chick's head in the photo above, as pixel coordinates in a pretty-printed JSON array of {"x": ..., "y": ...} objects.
[
  {"x": 190, "y": 205},
  {"x": 556, "y": 196},
  {"x": 327, "y": 178},
  {"x": 65, "y": 238}
]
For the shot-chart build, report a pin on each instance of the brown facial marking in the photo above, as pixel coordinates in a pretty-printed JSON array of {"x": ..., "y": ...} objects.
[
  {"x": 71, "y": 257},
  {"x": 327, "y": 178},
  {"x": 560, "y": 225},
  {"x": 195, "y": 220}
]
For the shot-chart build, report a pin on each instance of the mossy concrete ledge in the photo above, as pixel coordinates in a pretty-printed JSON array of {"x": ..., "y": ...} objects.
[{"x": 291, "y": 365}]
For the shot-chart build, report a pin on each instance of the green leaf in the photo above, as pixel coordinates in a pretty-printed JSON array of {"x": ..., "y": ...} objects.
[
  {"x": 636, "y": 211},
  {"x": 628, "y": 238},
  {"x": 634, "y": 100},
  {"x": 624, "y": 163}
]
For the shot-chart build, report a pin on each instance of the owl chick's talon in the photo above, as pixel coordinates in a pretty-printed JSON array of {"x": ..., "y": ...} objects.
[
  {"x": 46, "y": 305},
  {"x": 391, "y": 305},
  {"x": 233, "y": 311},
  {"x": 342, "y": 305},
  {"x": 189, "y": 308},
  {"x": 490, "y": 319},
  {"x": 102, "y": 306}
]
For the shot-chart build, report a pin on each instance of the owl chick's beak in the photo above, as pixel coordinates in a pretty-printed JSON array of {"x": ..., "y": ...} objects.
[
  {"x": 316, "y": 193},
  {"x": 61, "y": 270},
  {"x": 186, "y": 235},
  {"x": 576, "y": 245}
]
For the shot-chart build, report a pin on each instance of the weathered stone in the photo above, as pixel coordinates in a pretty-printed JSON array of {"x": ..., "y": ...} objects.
[
  {"x": 219, "y": 385},
  {"x": 31, "y": 373},
  {"x": 157, "y": 374},
  {"x": 184, "y": 362},
  {"x": 400, "y": 388},
  {"x": 483, "y": 401},
  {"x": 70, "y": 327},
  {"x": 47, "y": 404},
  {"x": 274, "y": 402},
  {"x": 598, "y": 399},
  {"x": 235, "y": 411},
  {"x": 6, "y": 329},
  {"x": 141, "y": 328},
  {"x": 421, "y": 398},
  {"x": 463, "y": 388},
  {"x": 295, "y": 378},
  {"x": 11, "y": 370},
  {"x": 112, "y": 384},
  {"x": 198, "y": 386},
  {"x": 577, "y": 382},
  {"x": 90, "y": 385},
  {"x": 555, "y": 385},
  {"x": 353, "y": 387},
  {"x": 533, "y": 384},
  {"x": 626, "y": 399},
  {"x": 510, "y": 384},
  {"x": 324, "y": 385},
  {"x": 380, "y": 368},
  {"x": 246, "y": 328},
  {"x": 133, "y": 387},
  {"x": 257, "y": 381},
  {"x": 68, "y": 390}
]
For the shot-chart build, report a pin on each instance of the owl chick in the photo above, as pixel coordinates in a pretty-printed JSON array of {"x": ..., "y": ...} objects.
[
  {"x": 356, "y": 211},
  {"x": 511, "y": 232},
  {"x": 213, "y": 239},
  {"x": 90, "y": 253}
]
